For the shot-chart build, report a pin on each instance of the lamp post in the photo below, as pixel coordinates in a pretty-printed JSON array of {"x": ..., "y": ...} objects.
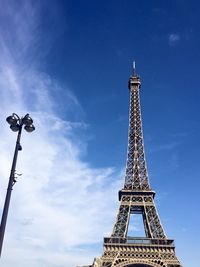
[{"x": 16, "y": 124}]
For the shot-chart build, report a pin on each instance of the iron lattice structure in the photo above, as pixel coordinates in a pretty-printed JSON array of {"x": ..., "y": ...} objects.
[{"x": 120, "y": 250}]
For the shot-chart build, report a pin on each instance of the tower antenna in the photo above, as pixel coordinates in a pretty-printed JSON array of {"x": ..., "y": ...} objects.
[{"x": 134, "y": 68}]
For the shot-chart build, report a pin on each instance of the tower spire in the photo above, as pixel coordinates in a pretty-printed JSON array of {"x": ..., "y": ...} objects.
[
  {"x": 134, "y": 68},
  {"x": 136, "y": 177}
]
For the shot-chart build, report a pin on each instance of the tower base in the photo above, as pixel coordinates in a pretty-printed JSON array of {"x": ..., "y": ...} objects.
[{"x": 137, "y": 252}]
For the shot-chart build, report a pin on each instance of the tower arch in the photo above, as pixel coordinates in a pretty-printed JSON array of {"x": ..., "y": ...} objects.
[{"x": 140, "y": 263}]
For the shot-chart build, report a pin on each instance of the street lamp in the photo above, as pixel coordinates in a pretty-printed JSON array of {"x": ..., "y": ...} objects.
[{"x": 16, "y": 124}]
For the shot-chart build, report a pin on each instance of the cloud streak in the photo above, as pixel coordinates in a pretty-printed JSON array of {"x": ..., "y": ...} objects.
[{"x": 56, "y": 205}]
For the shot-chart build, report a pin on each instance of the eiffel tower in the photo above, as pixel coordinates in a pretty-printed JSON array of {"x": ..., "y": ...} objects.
[{"x": 137, "y": 197}]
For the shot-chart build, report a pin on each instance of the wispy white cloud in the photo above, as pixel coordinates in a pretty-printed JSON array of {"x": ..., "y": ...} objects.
[
  {"x": 173, "y": 39},
  {"x": 169, "y": 145},
  {"x": 60, "y": 202}
]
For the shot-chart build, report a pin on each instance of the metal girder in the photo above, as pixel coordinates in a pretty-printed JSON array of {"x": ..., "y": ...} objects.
[
  {"x": 136, "y": 171},
  {"x": 144, "y": 205}
]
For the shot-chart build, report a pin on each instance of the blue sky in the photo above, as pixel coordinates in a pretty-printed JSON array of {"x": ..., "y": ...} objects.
[{"x": 67, "y": 63}]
